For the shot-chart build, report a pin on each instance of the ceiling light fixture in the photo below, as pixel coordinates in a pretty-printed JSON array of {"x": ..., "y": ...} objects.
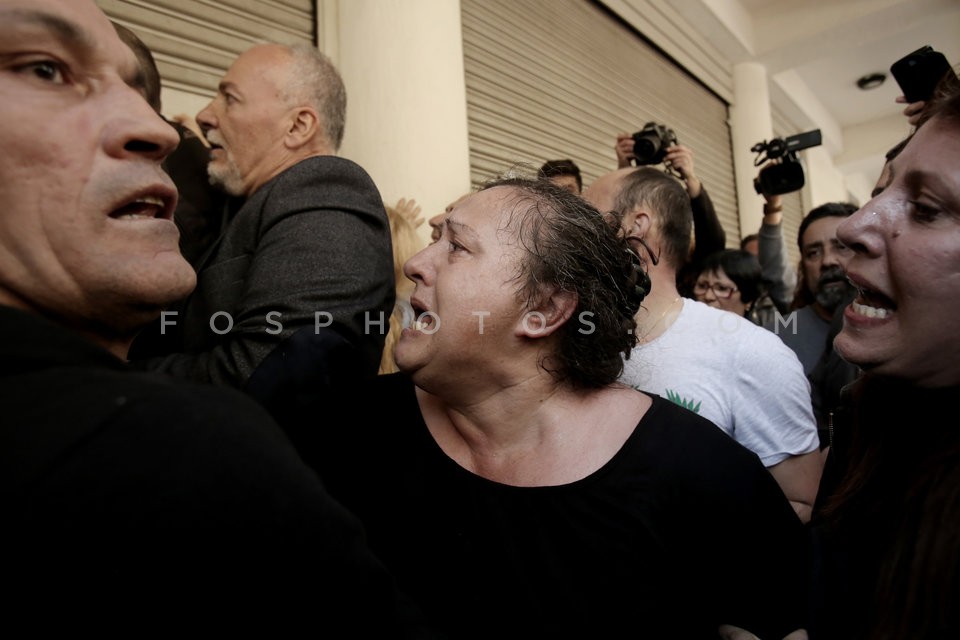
[{"x": 871, "y": 81}]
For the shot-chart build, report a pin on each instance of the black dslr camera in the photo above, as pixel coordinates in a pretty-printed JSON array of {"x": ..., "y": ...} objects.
[
  {"x": 650, "y": 143},
  {"x": 786, "y": 176}
]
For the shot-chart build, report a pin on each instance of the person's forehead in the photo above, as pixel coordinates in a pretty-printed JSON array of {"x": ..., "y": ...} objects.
[
  {"x": 717, "y": 275},
  {"x": 479, "y": 204},
  {"x": 78, "y": 25},
  {"x": 74, "y": 20},
  {"x": 259, "y": 62},
  {"x": 450, "y": 206},
  {"x": 938, "y": 134},
  {"x": 482, "y": 211},
  {"x": 933, "y": 153},
  {"x": 822, "y": 230}
]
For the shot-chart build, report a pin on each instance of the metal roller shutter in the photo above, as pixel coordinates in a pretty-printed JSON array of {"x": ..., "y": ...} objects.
[
  {"x": 550, "y": 79},
  {"x": 194, "y": 41}
]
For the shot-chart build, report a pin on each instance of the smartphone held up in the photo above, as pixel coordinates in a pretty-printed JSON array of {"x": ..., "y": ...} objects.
[{"x": 918, "y": 73}]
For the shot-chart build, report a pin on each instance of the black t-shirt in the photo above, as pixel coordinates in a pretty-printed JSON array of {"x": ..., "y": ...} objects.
[
  {"x": 683, "y": 529},
  {"x": 135, "y": 501}
]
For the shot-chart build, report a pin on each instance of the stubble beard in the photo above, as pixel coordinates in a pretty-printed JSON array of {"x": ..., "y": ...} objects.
[
  {"x": 833, "y": 296},
  {"x": 226, "y": 175}
]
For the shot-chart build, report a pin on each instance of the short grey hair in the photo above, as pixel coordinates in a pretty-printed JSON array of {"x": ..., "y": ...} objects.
[{"x": 315, "y": 79}]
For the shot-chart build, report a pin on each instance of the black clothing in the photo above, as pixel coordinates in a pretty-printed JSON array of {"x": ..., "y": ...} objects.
[
  {"x": 886, "y": 525},
  {"x": 133, "y": 496},
  {"x": 828, "y": 379},
  {"x": 681, "y": 530},
  {"x": 708, "y": 237},
  {"x": 202, "y": 208}
]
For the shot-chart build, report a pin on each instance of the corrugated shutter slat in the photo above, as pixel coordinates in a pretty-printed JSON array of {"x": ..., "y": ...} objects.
[
  {"x": 194, "y": 41},
  {"x": 550, "y": 79}
]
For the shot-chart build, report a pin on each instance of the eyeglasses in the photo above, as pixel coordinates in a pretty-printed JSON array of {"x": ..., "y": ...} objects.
[{"x": 719, "y": 289}]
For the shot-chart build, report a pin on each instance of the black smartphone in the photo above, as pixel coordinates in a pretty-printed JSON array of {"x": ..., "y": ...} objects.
[{"x": 919, "y": 72}]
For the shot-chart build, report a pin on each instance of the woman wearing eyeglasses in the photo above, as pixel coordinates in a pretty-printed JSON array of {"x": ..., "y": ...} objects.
[{"x": 730, "y": 280}]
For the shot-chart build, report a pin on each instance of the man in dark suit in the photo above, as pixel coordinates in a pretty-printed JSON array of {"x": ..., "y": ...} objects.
[
  {"x": 305, "y": 266},
  {"x": 132, "y": 500}
]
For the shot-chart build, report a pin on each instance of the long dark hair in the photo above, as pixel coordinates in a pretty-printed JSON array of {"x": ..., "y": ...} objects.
[
  {"x": 899, "y": 488},
  {"x": 900, "y": 495}
]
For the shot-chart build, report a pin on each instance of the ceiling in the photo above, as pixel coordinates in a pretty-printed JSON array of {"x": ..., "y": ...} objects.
[
  {"x": 830, "y": 44},
  {"x": 814, "y": 51}
]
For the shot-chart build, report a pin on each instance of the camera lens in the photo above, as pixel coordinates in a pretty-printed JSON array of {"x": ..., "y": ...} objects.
[
  {"x": 645, "y": 148},
  {"x": 650, "y": 144}
]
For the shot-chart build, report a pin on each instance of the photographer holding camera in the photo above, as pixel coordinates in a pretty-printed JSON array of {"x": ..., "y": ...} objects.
[
  {"x": 708, "y": 233},
  {"x": 778, "y": 275}
]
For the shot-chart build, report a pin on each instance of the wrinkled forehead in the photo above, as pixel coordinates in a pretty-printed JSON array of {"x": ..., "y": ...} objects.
[
  {"x": 822, "y": 230},
  {"x": 493, "y": 216},
  {"x": 481, "y": 209},
  {"x": 78, "y": 25}
]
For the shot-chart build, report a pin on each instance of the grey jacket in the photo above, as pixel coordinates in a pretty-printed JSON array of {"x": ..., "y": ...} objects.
[
  {"x": 778, "y": 276},
  {"x": 310, "y": 247}
]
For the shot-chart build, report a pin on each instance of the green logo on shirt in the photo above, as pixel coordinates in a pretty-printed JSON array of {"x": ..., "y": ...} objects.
[{"x": 686, "y": 404}]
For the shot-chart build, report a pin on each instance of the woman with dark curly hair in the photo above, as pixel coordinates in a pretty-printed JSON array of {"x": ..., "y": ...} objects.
[{"x": 514, "y": 487}]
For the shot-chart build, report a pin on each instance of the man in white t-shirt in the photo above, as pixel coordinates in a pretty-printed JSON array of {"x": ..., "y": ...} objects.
[{"x": 712, "y": 362}]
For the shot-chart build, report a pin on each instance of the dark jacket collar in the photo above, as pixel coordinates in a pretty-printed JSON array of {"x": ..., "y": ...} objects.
[{"x": 29, "y": 342}]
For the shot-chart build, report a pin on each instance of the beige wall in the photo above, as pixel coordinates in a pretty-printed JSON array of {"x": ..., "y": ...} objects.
[
  {"x": 824, "y": 182},
  {"x": 176, "y": 102},
  {"x": 402, "y": 63},
  {"x": 750, "y": 122}
]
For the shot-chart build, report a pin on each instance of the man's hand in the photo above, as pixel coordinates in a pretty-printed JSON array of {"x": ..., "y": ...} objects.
[
  {"x": 624, "y": 149},
  {"x": 773, "y": 204},
  {"x": 680, "y": 159}
]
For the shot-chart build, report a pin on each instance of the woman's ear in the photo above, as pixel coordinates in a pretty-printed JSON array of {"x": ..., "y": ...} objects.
[{"x": 551, "y": 313}]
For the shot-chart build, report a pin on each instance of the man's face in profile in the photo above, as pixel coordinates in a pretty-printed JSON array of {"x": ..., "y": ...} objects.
[
  {"x": 247, "y": 122},
  {"x": 87, "y": 233}
]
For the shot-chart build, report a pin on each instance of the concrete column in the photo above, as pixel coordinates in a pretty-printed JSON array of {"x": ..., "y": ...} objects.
[
  {"x": 402, "y": 63},
  {"x": 750, "y": 122}
]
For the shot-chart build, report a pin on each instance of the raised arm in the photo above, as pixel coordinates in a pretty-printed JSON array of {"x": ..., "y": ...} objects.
[
  {"x": 708, "y": 233},
  {"x": 778, "y": 275}
]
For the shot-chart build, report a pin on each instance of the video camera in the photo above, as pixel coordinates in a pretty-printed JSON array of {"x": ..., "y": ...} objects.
[
  {"x": 650, "y": 143},
  {"x": 786, "y": 176}
]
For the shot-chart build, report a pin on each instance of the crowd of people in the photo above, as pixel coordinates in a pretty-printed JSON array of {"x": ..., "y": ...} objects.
[{"x": 240, "y": 391}]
